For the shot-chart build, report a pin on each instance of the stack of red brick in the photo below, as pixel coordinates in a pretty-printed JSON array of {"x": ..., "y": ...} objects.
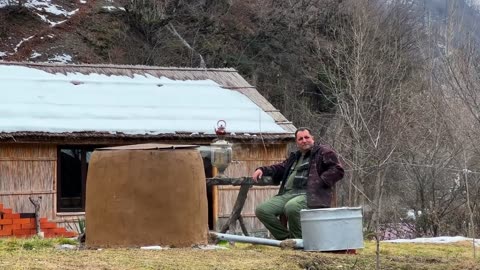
[{"x": 11, "y": 224}]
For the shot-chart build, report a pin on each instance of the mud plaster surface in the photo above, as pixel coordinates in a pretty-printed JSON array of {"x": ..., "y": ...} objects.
[{"x": 146, "y": 197}]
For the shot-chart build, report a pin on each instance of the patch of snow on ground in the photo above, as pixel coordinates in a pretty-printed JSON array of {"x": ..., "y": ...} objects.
[
  {"x": 35, "y": 55},
  {"x": 435, "y": 240},
  {"x": 21, "y": 42},
  {"x": 43, "y": 6},
  {"x": 3, "y": 54},
  {"x": 43, "y": 18},
  {"x": 66, "y": 247},
  {"x": 55, "y": 10},
  {"x": 154, "y": 248},
  {"x": 83, "y": 1},
  {"x": 64, "y": 58},
  {"x": 210, "y": 247},
  {"x": 56, "y": 23},
  {"x": 111, "y": 8},
  {"x": 48, "y": 7},
  {"x": 52, "y": 23}
]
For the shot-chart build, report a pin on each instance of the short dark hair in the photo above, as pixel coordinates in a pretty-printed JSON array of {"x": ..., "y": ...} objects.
[{"x": 302, "y": 129}]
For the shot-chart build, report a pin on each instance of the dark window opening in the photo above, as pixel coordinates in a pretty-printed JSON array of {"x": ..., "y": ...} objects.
[
  {"x": 207, "y": 165},
  {"x": 72, "y": 178}
]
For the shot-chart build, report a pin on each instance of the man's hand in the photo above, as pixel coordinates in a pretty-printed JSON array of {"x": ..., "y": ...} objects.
[{"x": 257, "y": 175}]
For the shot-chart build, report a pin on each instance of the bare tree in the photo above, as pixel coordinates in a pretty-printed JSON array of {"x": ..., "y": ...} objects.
[
  {"x": 456, "y": 71},
  {"x": 372, "y": 70},
  {"x": 373, "y": 63},
  {"x": 462, "y": 72}
]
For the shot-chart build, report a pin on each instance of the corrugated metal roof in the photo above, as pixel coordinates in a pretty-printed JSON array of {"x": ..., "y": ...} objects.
[{"x": 224, "y": 78}]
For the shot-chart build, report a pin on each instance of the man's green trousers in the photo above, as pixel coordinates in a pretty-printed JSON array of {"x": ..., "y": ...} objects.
[{"x": 290, "y": 203}]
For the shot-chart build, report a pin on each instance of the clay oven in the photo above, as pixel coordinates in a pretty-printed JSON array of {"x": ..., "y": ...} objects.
[{"x": 146, "y": 194}]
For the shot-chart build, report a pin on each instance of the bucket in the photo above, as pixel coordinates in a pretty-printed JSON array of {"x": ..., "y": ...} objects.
[{"x": 330, "y": 229}]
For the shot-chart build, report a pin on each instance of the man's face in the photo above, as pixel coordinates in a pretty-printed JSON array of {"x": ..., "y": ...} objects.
[{"x": 304, "y": 141}]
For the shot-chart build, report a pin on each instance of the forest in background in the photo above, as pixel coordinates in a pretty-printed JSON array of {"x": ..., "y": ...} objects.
[{"x": 391, "y": 85}]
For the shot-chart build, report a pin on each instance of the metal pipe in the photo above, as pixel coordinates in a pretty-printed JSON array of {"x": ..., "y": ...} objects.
[{"x": 293, "y": 243}]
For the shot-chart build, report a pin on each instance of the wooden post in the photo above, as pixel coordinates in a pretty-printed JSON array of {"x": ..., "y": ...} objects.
[
  {"x": 237, "y": 210},
  {"x": 242, "y": 225},
  {"x": 334, "y": 196},
  {"x": 36, "y": 205},
  {"x": 214, "y": 200}
]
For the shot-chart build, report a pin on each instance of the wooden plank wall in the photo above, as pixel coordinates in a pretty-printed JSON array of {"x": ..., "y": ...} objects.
[
  {"x": 246, "y": 158},
  {"x": 26, "y": 170}
]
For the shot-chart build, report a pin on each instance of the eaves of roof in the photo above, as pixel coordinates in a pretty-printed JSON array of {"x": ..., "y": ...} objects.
[{"x": 121, "y": 138}]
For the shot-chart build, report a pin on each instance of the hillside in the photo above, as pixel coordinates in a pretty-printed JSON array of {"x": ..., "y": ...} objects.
[{"x": 61, "y": 31}]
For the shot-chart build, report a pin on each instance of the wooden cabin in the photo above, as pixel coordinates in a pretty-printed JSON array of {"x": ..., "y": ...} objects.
[{"x": 52, "y": 116}]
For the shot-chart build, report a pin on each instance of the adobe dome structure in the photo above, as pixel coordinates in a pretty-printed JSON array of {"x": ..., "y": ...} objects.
[{"x": 147, "y": 194}]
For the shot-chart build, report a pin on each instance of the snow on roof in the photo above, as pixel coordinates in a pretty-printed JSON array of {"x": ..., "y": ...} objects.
[{"x": 38, "y": 101}]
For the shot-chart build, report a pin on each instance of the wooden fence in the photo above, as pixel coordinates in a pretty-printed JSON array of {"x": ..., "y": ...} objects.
[
  {"x": 28, "y": 170},
  {"x": 246, "y": 158}
]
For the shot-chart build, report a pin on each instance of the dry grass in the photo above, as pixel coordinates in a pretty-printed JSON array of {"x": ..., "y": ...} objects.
[{"x": 42, "y": 254}]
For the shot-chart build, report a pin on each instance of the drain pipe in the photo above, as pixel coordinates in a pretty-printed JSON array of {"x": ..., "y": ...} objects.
[{"x": 289, "y": 243}]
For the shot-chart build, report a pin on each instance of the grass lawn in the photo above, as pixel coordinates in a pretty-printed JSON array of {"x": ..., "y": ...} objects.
[{"x": 37, "y": 253}]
